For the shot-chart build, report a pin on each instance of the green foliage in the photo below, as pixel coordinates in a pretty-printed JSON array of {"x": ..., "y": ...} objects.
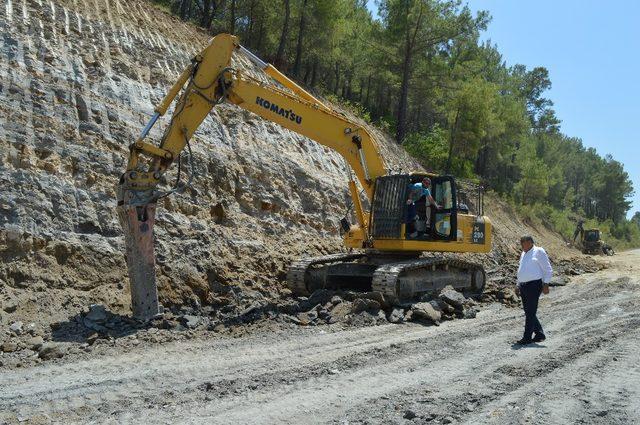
[
  {"x": 533, "y": 185},
  {"x": 355, "y": 108},
  {"x": 430, "y": 148},
  {"x": 423, "y": 73},
  {"x": 636, "y": 218}
]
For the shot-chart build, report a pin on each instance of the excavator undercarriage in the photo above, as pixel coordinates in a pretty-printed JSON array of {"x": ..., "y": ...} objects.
[{"x": 400, "y": 278}]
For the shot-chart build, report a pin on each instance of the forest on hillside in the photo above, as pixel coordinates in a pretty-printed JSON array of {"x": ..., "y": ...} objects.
[{"x": 421, "y": 71}]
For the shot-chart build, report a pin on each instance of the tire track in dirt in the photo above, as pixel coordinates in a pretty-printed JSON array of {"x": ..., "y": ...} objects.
[
  {"x": 560, "y": 394},
  {"x": 509, "y": 373}
]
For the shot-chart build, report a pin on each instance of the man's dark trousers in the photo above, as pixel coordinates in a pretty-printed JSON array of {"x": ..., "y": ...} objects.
[
  {"x": 412, "y": 211},
  {"x": 530, "y": 293}
]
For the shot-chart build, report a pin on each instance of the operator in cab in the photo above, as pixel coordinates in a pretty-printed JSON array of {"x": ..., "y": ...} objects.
[{"x": 416, "y": 192}]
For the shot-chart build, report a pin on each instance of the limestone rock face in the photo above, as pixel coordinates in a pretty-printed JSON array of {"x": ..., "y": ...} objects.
[{"x": 78, "y": 81}]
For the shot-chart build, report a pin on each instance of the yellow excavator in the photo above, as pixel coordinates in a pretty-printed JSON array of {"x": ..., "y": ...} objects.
[{"x": 385, "y": 245}]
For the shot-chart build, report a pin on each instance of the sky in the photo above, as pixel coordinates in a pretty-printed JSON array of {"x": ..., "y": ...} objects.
[{"x": 591, "y": 51}]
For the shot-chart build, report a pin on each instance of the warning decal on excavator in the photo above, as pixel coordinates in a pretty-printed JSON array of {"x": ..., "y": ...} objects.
[{"x": 477, "y": 232}]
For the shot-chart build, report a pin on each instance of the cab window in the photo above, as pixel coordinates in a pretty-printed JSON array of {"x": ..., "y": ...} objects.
[{"x": 443, "y": 197}]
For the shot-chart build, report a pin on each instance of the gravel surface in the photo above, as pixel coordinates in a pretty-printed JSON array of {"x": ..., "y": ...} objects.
[{"x": 464, "y": 371}]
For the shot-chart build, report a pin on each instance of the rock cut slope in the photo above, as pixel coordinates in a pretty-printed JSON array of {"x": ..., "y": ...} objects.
[{"x": 79, "y": 79}]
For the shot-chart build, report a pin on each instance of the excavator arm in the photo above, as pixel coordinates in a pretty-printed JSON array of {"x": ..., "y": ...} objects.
[{"x": 210, "y": 80}]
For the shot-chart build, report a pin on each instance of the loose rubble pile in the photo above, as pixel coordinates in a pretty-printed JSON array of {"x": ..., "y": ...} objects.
[
  {"x": 26, "y": 344},
  {"x": 370, "y": 309},
  {"x": 501, "y": 280},
  {"x": 28, "y": 341}
]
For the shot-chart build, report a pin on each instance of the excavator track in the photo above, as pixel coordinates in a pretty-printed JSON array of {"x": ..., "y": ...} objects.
[
  {"x": 296, "y": 275},
  {"x": 398, "y": 281},
  {"x": 387, "y": 278}
]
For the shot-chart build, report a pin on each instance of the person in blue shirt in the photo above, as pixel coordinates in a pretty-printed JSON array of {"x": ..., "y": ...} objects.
[{"x": 417, "y": 191}]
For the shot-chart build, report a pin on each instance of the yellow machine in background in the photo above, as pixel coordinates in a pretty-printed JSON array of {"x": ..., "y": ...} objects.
[{"x": 386, "y": 260}]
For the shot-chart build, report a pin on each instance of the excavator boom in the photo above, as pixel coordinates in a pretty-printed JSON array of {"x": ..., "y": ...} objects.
[{"x": 209, "y": 81}]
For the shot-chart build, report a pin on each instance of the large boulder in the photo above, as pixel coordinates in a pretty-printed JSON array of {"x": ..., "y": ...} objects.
[
  {"x": 364, "y": 304},
  {"x": 425, "y": 312},
  {"x": 50, "y": 351},
  {"x": 396, "y": 315},
  {"x": 442, "y": 306},
  {"x": 374, "y": 296},
  {"x": 320, "y": 296},
  {"x": 97, "y": 313},
  {"x": 453, "y": 298},
  {"x": 9, "y": 347},
  {"x": 340, "y": 311},
  {"x": 35, "y": 342}
]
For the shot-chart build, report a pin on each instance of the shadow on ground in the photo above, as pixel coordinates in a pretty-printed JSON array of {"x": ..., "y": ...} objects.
[
  {"x": 96, "y": 323},
  {"x": 517, "y": 346}
]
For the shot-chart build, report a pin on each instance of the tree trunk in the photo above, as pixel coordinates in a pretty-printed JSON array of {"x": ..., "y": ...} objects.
[
  {"x": 260, "y": 37},
  {"x": 314, "y": 72},
  {"x": 210, "y": 8},
  {"x": 232, "y": 17},
  {"x": 336, "y": 71},
  {"x": 384, "y": 101},
  {"x": 410, "y": 43},
  {"x": 417, "y": 122},
  {"x": 307, "y": 72},
  {"x": 377, "y": 98},
  {"x": 452, "y": 139},
  {"x": 401, "y": 130},
  {"x": 366, "y": 99},
  {"x": 184, "y": 9},
  {"x": 481, "y": 162},
  {"x": 301, "y": 28},
  {"x": 251, "y": 23},
  {"x": 206, "y": 10},
  {"x": 279, "y": 59}
]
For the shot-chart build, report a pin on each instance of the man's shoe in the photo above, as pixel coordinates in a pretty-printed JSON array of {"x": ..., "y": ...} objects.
[
  {"x": 539, "y": 338},
  {"x": 524, "y": 341}
]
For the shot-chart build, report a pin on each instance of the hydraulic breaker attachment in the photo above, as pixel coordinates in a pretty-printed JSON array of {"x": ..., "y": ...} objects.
[{"x": 137, "y": 221}]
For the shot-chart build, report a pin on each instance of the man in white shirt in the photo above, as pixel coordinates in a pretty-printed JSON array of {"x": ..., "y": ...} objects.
[{"x": 534, "y": 275}]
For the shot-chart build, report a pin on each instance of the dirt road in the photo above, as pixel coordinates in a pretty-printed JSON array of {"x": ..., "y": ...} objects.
[{"x": 465, "y": 371}]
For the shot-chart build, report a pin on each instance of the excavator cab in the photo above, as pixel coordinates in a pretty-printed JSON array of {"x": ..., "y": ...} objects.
[
  {"x": 431, "y": 223},
  {"x": 592, "y": 235},
  {"x": 393, "y": 226},
  {"x": 444, "y": 219}
]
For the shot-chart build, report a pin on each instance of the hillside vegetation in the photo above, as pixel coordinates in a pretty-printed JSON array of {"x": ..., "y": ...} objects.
[{"x": 421, "y": 71}]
